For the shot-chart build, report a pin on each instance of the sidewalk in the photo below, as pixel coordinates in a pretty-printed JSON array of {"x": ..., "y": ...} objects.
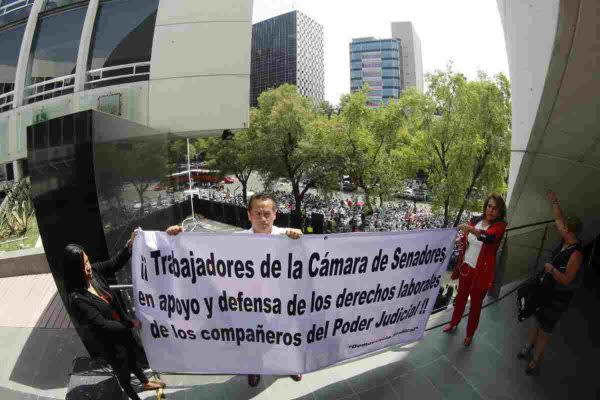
[{"x": 36, "y": 361}]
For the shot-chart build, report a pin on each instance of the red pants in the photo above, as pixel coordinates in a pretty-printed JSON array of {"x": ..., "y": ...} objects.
[{"x": 466, "y": 289}]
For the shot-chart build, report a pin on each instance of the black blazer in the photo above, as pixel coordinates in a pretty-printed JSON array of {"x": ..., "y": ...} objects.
[{"x": 94, "y": 314}]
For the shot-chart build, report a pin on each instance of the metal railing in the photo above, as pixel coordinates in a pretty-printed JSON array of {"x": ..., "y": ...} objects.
[
  {"x": 6, "y": 101},
  {"x": 51, "y": 87},
  {"x": 14, "y": 6},
  {"x": 447, "y": 302},
  {"x": 101, "y": 76}
]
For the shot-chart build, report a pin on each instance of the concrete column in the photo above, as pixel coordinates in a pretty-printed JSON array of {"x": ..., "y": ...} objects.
[
  {"x": 84, "y": 45},
  {"x": 18, "y": 169},
  {"x": 25, "y": 52}
]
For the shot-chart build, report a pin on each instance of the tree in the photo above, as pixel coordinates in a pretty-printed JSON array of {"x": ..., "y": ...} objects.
[
  {"x": 178, "y": 153},
  {"x": 147, "y": 164},
  {"x": 139, "y": 163},
  {"x": 292, "y": 143},
  {"x": 374, "y": 143},
  {"x": 325, "y": 108},
  {"x": 237, "y": 156},
  {"x": 465, "y": 140},
  {"x": 490, "y": 103}
]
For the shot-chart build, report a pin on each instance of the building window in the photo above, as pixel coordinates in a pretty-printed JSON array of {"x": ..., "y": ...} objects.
[
  {"x": 53, "y": 58},
  {"x": 10, "y": 43},
  {"x": 14, "y": 10},
  {"x": 121, "y": 45},
  {"x": 52, "y": 4}
]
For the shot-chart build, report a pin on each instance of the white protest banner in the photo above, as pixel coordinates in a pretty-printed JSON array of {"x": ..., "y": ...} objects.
[{"x": 263, "y": 304}]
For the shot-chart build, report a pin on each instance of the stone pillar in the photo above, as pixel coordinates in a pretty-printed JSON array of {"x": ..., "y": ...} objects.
[{"x": 18, "y": 169}]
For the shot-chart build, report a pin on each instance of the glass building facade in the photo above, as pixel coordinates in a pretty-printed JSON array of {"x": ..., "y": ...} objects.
[
  {"x": 54, "y": 54},
  {"x": 10, "y": 45},
  {"x": 14, "y": 10},
  {"x": 378, "y": 64},
  {"x": 287, "y": 49},
  {"x": 123, "y": 35}
]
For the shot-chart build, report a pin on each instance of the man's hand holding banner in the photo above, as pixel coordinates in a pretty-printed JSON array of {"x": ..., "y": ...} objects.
[{"x": 263, "y": 304}]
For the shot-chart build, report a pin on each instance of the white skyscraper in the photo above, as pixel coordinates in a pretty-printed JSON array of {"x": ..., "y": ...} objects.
[{"x": 412, "y": 60}]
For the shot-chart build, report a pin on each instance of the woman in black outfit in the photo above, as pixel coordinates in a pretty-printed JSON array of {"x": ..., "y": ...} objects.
[
  {"x": 562, "y": 275},
  {"x": 92, "y": 303}
]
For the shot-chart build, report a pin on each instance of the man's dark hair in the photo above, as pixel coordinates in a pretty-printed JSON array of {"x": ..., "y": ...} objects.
[
  {"x": 74, "y": 276},
  {"x": 261, "y": 197}
]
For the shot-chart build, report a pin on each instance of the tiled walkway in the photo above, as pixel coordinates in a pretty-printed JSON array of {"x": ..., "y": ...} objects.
[
  {"x": 30, "y": 301},
  {"x": 35, "y": 361}
]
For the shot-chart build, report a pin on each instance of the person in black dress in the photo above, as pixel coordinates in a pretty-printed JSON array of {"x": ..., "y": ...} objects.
[
  {"x": 93, "y": 306},
  {"x": 562, "y": 275}
]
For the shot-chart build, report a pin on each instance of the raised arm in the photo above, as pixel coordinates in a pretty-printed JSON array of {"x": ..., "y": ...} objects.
[
  {"x": 117, "y": 262},
  {"x": 558, "y": 216},
  {"x": 111, "y": 266}
]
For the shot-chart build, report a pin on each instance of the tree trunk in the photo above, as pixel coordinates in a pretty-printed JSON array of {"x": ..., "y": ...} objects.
[
  {"x": 478, "y": 170},
  {"x": 368, "y": 207},
  {"x": 446, "y": 211},
  {"x": 297, "y": 212},
  {"x": 244, "y": 190},
  {"x": 141, "y": 189}
]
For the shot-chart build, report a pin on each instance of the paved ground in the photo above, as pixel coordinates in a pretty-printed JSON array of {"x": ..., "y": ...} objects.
[
  {"x": 38, "y": 346},
  {"x": 36, "y": 363}
]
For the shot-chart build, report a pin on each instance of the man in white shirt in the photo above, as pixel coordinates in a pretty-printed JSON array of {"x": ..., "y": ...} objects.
[{"x": 261, "y": 213}]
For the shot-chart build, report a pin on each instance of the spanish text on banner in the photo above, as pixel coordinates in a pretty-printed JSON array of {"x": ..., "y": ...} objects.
[{"x": 263, "y": 304}]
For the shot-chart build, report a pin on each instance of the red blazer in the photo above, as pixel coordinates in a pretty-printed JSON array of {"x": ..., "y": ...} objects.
[{"x": 486, "y": 262}]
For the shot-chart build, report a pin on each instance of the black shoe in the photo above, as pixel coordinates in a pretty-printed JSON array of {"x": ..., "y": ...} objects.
[
  {"x": 533, "y": 368},
  {"x": 253, "y": 380},
  {"x": 525, "y": 353}
]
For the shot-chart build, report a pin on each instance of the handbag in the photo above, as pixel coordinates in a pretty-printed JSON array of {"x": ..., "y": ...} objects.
[{"x": 533, "y": 294}]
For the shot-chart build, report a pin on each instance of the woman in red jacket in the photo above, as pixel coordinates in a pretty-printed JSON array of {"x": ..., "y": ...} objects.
[{"x": 477, "y": 263}]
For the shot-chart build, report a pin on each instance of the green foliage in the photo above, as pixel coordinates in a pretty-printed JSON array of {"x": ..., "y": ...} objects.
[
  {"x": 458, "y": 133},
  {"x": 135, "y": 162},
  {"x": 17, "y": 211},
  {"x": 374, "y": 143},
  {"x": 237, "y": 156},
  {"x": 293, "y": 142},
  {"x": 178, "y": 153},
  {"x": 465, "y": 141}
]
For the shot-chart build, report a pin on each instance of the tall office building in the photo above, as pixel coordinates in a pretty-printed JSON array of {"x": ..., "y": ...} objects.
[
  {"x": 378, "y": 64},
  {"x": 287, "y": 48},
  {"x": 412, "y": 59}
]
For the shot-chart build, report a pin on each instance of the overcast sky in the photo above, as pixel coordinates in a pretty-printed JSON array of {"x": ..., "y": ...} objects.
[{"x": 468, "y": 32}]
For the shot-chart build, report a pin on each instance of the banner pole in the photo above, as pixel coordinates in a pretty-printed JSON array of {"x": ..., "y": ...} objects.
[{"x": 190, "y": 179}]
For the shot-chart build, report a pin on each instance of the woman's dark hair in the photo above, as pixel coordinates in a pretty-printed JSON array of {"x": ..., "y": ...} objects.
[
  {"x": 74, "y": 274},
  {"x": 499, "y": 203}
]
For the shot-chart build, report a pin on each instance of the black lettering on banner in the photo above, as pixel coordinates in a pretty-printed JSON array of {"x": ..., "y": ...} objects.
[
  {"x": 296, "y": 306},
  {"x": 145, "y": 299},
  {"x": 270, "y": 269},
  {"x": 158, "y": 331},
  {"x": 294, "y": 268}
]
